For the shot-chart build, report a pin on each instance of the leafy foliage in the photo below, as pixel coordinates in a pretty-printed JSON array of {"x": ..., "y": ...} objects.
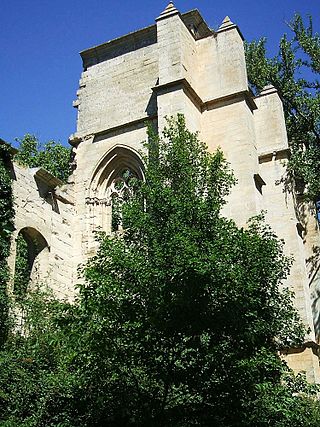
[
  {"x": 6, "y": 228},
  {"x": 184, "y": 307},
  {"x": 36, "y": 377},
  {"x": 52, "y": 156},
  {"x": 22, "y": 268},
  {"x": 294, "y": 72},
  {"x": 179, "y": 320}
]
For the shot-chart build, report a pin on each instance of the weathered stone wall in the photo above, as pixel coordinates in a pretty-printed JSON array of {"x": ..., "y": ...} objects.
[
  {"x": 176, "y": 66},
  {"x": 108, "y": 91},
  {"x": 90, "y": 154},
  {"x": 39, "y": 211},
  {"x": 202, "y": 75}
]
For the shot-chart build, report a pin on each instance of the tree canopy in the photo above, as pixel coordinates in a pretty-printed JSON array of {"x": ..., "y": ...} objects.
[
  {"x": 178, "y": 322},
  {"x": 52, "y": 156},
  {"x": 294, "y": 72}
]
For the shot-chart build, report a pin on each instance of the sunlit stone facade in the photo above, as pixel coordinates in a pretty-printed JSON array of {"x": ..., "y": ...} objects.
[{"x": 177, "y": 65}]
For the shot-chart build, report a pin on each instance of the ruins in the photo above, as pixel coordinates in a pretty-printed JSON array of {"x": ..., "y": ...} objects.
[{"x": 177, "y": 65}]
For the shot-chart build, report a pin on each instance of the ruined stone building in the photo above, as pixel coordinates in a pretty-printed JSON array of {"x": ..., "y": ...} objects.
[{"x": 178, "y": 64}]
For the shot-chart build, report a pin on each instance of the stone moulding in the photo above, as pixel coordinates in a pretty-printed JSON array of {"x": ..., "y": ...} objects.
[
  {"x": 245, "y": 95},
  {"x": 267, "y": 156}
]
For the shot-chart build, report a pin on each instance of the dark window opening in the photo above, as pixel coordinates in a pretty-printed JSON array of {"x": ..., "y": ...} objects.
[
  {"x": 29, "y": 244},
  {"x": 259, "y": 182},
  {"x": 300, "y": 229}
]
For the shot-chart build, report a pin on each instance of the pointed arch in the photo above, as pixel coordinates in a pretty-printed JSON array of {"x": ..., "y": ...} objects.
[
  {"x": 110, "y": 167},
  {"x": 110, "y": 180}
]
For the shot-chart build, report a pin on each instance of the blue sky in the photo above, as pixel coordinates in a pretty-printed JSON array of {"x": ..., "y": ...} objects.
[{"x": 40, "y": 41}]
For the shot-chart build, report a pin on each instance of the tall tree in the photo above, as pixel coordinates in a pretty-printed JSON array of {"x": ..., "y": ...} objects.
[
  {"x": 179, "y": 321},
  {"x": 294, "y": 72},
  {"x": 185, "y": 308}
]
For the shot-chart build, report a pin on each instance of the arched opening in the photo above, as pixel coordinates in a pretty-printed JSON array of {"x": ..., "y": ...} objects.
[
  {"x": 119, "y": 191},
  {"x": 110, "y": 186},
  {"x": 31, "y": 263}
]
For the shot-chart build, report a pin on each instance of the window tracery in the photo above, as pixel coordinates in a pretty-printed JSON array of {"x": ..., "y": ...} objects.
[
  {"x": 120, "y": 190},
  {"x": 112, "y": 183}
]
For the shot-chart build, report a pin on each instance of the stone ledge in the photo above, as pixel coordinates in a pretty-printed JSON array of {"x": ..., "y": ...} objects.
[
  {"x": 46, "y": 177},
  {"x": 282, "y": 153},
  {"x": 183, "y": 84},
  {"x": 307, "y": 344}
]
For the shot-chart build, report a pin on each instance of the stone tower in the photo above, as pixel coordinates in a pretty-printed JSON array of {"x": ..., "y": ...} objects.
[{"x": 177, "y": 65}]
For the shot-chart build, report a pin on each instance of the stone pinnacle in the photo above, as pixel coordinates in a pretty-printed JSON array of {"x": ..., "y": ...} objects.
[
  {"x": 169, "y": 10},
  {"x": 226, "y": 23}
]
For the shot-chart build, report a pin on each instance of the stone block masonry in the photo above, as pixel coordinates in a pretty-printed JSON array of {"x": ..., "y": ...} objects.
[{"x": 177, "y": 65}]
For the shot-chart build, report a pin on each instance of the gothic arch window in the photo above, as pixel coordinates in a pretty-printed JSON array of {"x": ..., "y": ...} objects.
[
  {"x": 31, "y": 263},
  {"x": 110, "y": 186},
  {"x": 118, "y": 192}
]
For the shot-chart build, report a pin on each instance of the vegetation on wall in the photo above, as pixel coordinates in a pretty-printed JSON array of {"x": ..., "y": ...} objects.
[
  {"x": 182, "y": 315},
  {"x": 294, "y": 72},
  {"x": 179, "y": 320},
  {"x": 22, "y": 268},
  {"x": 52, "y": 156},
  {"x": 6, "y": 228}
]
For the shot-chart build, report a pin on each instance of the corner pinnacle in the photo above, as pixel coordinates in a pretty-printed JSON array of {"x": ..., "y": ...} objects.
[
  {"x": 168, "y": 11},
  {"x": 226, "y": 23}
]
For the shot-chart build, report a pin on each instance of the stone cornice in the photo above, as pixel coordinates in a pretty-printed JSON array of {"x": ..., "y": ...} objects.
[
  {"x": 307, "y": 344},
  {"x": 76, "y": 138},
  {"x": 198, "y": 102},
  {"x": 267, "y": 156},
  {"x": 180, "y": 84},
  {"x": 243, "y": 95}
]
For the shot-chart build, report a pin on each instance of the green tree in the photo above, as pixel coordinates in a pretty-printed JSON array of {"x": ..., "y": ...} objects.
[
  {"x": 38, "y": 380},
  {"x": 184, "y": 311},
  {"x": 294, "y": 72},
  {"x": 6, "y": 228},
  {"x": 179, "y": 321},
  {"x": 52, "y": 156}
]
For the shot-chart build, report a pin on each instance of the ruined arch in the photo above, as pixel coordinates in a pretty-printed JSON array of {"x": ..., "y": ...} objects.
[
  {"x": 109, "y": 180},
  {"x": 109, "y": 167},
  {"x": 31, "y": 260}
]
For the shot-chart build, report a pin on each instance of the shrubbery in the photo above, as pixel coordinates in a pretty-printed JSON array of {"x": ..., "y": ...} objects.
[{"x": 179, "y": 320}]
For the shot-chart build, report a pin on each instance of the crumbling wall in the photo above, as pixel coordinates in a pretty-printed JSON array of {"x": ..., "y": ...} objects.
[{"x": 44, "y": 212}]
